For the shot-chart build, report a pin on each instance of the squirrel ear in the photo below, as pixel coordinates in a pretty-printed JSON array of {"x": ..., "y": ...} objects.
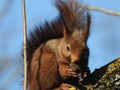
[
  {"x": 87, "y": 26},
  {"x": 66, "y": 33}
]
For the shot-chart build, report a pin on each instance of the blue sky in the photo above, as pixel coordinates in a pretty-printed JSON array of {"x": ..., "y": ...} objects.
[{"x": 103, "y": 41}]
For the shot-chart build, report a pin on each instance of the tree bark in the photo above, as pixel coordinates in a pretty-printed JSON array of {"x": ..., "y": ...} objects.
[{"x": 104, "y": 78}]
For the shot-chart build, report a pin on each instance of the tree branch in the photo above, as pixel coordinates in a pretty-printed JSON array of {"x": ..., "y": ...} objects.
[
  {"x": 100, "y": 9},
  {"x": 25, "y": 43},
  {"x": 105, "y": 78}
]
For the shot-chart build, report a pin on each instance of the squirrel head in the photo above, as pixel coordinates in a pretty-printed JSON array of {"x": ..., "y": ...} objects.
[{"x": 75, "y": 41}]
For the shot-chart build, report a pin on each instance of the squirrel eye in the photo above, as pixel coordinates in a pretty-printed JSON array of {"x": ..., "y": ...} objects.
[{"x": 68, "y": 47}]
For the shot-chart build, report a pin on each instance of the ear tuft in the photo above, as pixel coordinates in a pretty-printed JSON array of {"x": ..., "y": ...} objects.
[
  {"x": 87, "y": 26},
  {"x": 66, "y": 33}
]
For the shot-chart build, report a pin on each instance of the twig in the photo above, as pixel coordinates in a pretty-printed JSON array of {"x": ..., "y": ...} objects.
[
  {"x": 101, "y": 10},
  {"x": 25, "y": 44}
]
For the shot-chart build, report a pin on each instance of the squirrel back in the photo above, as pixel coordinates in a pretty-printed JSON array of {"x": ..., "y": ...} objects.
[{"x": 53, "y": 46}]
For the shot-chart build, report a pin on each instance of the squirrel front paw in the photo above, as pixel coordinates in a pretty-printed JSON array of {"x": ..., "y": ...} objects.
[
  {"x": 66, "y": 72},
  {"x": 65, "y": 86},
  {"x": 71, "y": 73}
]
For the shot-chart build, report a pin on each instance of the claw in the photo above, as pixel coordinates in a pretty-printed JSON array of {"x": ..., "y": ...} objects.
[{"x": 70, "y": 72}]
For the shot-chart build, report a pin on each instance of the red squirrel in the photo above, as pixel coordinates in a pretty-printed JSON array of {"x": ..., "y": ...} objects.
[{"x": 52, "y": 47}]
